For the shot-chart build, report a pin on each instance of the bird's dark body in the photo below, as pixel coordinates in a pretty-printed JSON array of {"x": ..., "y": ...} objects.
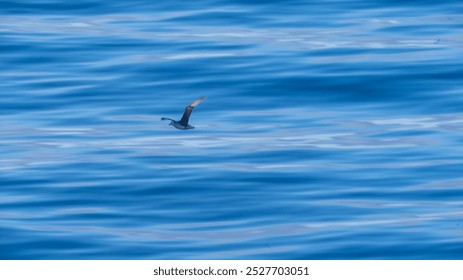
[{"x": 182, "y": 124}]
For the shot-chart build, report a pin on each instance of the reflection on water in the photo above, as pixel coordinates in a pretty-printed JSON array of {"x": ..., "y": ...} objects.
[{"x": 331, "y": 130}]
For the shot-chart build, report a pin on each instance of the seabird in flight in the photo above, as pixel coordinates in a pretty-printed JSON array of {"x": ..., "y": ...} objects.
[{"x": 183, "y": 123}]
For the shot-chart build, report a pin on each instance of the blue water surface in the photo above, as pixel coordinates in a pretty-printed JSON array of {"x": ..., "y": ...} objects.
[{"x": 332, "y": 129}]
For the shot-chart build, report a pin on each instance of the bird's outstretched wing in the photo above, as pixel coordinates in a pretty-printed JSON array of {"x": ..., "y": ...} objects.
[
  {"x": 189, "y": 109},
  {"x": 164, "y": 119}
]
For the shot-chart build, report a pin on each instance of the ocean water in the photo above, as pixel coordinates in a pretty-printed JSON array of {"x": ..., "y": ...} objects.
[{"x": 332, "y": 129}]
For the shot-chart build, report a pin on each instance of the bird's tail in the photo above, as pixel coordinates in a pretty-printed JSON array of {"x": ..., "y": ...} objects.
[
  {"x": 197, "y": 101},
  {"x": 164, "y": 119}
]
